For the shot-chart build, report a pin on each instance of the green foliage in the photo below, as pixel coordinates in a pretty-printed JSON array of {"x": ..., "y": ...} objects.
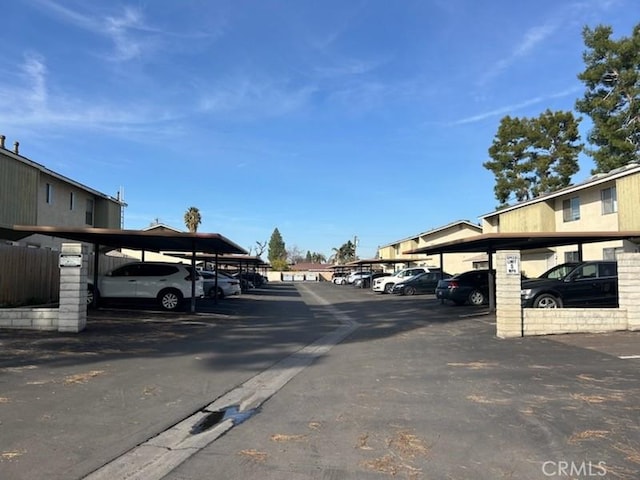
[
  {"x": 192, "y": 219},
  {"x": 612, "y": 97},
  {"x": 314, "y": 257},
  {"x": 280, "y": 265},
  {"x": 277, "y": 250},
  {"x": 318, "y": 258},
  {"x": 533, "y": 156},
  {"x": 345, "y": 254}
]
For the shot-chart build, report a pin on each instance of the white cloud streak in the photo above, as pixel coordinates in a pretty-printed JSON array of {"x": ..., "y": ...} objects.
[
  {"x": 528, "y": 43},
  {"x": 247, "y": 97},
  {"x": 127, "y": 31},
  {"x": 514, "y": 107}
]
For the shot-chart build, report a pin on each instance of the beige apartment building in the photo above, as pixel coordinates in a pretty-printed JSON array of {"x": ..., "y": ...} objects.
[
  {"x": 453, "y": 263},
  {"x": 31, "y": 194},
  {"x": 605, "y": 202}
]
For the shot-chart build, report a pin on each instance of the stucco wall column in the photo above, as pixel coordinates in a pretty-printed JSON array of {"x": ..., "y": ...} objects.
[
  {"x": 508, "y": 306},
  {"x": 74, "y": 267},
  {"x": 629, "y": 287}
]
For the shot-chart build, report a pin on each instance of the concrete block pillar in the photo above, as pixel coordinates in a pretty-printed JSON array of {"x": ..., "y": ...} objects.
[
  {"x": 629, "y": 287},
  {"x": 74, "y": 268},
  {"x": 508, "y": 306}
]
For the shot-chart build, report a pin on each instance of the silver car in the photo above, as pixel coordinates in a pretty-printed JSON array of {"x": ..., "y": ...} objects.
[{"x": 227, "y": 285}]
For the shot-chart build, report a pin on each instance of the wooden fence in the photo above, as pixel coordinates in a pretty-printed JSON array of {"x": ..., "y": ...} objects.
[{"x": 31, "y": 276}]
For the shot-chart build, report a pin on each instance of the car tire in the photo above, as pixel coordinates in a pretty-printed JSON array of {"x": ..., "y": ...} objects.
[
  {"x": 91, "y": 292},
  {"x": 170, "y": 299},
  {"x": 546, "y": 300},
  {"x": 388, "y": 287},
  {"x": 476, "y": 298},
  {"x": 220, "y": 293},
  {"x": 409, "y": 291}
]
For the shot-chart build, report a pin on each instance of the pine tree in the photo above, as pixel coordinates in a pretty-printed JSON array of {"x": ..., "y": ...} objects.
[
  {"x": 277, "y": 250},
  {"x": 531, "y": 157},
  {"x": 612, "y": 97}
]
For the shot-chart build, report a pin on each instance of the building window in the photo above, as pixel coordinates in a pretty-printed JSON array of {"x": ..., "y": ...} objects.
[
  {"x": 571, "y": 209},
  {"x": 89, "y": 212},
  {"x": 72, "y": 201},
  {"x": 609, "y": 200},
  {"x": 571, "y": 256},
  {"x": 49, "y": 193}
]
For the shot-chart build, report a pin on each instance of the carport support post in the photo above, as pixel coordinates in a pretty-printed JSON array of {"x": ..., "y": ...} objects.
[
  {"x": 74, "y": 268},
  {"x": 508, "y": 304},
  {"x": 192, "y": 308}
]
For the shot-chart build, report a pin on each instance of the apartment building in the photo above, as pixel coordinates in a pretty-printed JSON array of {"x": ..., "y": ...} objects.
[
  {"x": 454, "y": 263},
  {"x": 606, "y": 202},
  {"x": 31, "y": 194}
]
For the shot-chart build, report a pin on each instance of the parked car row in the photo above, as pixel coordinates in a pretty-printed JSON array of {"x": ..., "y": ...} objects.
[
  {"x": 168, "y": 284},
  {"x": 409, "y": 281},
  {"x": 573, "y": 284}
]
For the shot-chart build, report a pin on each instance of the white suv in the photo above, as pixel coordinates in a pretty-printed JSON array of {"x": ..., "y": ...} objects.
[
  {"x": 385, "y": 284},
  {"x": 168, "y": 283}
]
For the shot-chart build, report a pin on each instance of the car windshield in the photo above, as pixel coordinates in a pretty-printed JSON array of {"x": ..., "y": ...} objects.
[{"x": 559, "y": 272}]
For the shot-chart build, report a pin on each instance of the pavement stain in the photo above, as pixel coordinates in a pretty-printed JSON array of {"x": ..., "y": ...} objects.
[
  {"x": 489, "y": 401},
  {"x": 630, "y": 450},
  {"x": 11, "y": 455},
  {"x": 588, "y": 435},
  {"x": 611, "y": 397},
  {"x": 474, "y": 365},
  {"x": 81, "y": 378},
  {"x": 403, "y": 447},
  {"x": 281, "y": 437},
  {"x": 254, "y": 455}
]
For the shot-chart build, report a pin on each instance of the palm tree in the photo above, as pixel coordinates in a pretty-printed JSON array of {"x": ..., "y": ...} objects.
[
  {"x": 318, "y": 258},
  {"x": 192, "y": 219},
  {"x": 346, "y": 253}
]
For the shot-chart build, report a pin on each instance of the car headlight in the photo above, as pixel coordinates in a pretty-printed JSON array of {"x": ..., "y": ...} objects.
[{"x": 525, "y": 292}]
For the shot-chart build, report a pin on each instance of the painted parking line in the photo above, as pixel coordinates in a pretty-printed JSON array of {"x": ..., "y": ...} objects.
[{"x": 628, "y": 357}]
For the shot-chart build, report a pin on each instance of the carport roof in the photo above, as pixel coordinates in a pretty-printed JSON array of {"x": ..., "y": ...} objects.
[
  {"x": 159, "y": 241},
  {"x": 380, "y": 261},
  {"x": 225, "y": 259},
  {"x": 491, "y": 242}
]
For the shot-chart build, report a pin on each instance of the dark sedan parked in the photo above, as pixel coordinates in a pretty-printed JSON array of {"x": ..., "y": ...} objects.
[
  {"x": 423, "y": 283},
  {"x": 580, "y": 284},
  {"x": 471, "y": 287}
]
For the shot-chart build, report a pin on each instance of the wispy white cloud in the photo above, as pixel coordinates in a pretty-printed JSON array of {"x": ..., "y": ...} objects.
[
  {"x": 122, "y": 29},
  {"x": 28, "y": 104},
  {"x": 35, "y": 71},
  {"x": 527, "y": 45},
  {"x": 253, "y": 98},
  {"x": 127, "y": 29},
  {"x": 509, "y": 109},
  {"x": 347, "y": 68}
]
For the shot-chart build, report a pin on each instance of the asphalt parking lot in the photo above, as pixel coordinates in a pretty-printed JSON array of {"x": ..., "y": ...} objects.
[{"x": 411, "y": 389}]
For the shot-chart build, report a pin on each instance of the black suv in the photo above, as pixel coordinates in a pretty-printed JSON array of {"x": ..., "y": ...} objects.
[{"x": 577, "y": 284}]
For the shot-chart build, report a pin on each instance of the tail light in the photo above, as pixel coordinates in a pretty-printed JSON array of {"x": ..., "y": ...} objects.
[{"x": 452, "y": 285}]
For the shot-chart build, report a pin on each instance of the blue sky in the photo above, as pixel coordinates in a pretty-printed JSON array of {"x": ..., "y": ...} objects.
[{"x": 327, "y": 120}]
